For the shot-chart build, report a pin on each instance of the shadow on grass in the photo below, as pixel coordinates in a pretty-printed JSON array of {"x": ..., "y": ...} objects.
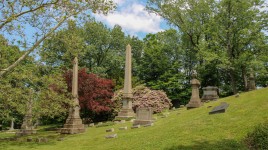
[{"x": 206, "y": 145}]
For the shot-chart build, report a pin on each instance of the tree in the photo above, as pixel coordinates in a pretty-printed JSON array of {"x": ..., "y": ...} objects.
[
  {"x": 226, "y": 36},
  {"x": 95, "y": 95},
  {"x": 44, "y": 17},
  {"x": 47, "y": 91}
]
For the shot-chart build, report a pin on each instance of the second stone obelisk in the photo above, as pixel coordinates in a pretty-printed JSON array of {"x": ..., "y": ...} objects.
[{"x": 127, "y": 111}]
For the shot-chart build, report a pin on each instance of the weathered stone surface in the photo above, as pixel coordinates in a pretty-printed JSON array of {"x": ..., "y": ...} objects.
[
  {"x": 123, "y": 128},
  {"x": 111, "y": 136},
  {"x": 144, "y": 116},
  {"x": 135, "y": 126},
  {"x": 148, "y": 125},
  {"x": 23, "y": 132},
  {"x": 127, "y": 111},
  {"x": 91, "y": 125},
  {"x": 252, "y": 85},
  {"x": 123, "y": 121},
  {"x": 219, "y": 109},
  {"x": 210, "y": 93},
  {"x": 110, "y": 130},
  {"x": 100, "y": 123},
  {"x": 182, "y": 106},
  {"x": 195, "y": 100}
]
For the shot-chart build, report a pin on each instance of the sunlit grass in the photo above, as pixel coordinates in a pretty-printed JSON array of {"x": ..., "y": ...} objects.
[{"x": 182, "y": 129}]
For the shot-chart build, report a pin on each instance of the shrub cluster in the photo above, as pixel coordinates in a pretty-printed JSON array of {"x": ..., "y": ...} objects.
[
  {"x": 258, "y": 138},
  {"x": 145, "y": 97}
]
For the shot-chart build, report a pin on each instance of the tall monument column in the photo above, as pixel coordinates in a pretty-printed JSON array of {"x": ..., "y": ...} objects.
[
  {"x": 195, "y": 100},
  {"x": 74, "y": 123},
  {"x": 127, "y": 111}
]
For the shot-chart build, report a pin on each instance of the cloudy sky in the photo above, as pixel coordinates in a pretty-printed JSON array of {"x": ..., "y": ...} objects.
[{"x": 133, "y": 18}]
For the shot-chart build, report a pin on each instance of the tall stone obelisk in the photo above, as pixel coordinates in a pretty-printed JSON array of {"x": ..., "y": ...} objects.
[
  {"x": 74, "y": 123},
  {"x": 195, "y": 100},
  {"x": 127, "y": 111}
]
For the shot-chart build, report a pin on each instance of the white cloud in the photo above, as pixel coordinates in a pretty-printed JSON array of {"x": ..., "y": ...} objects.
[{"x": 133, "y": 18}]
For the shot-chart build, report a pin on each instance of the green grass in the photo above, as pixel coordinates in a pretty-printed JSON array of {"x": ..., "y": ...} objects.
[{"x": 182, "y": 129}]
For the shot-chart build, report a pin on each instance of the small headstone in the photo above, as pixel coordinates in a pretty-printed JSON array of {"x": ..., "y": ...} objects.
[
  {"x": 110, "y": 130},
  {"x": 136, "y": 126},
  {"x": 182, "y": 106},
  {"x": 219, "y": 109},
  {"x": 123, "y": 121},
  {"x": 148, "y": 125},
  {"x": 111, "y": 136},
  {"x": 91, "y": 125},
  {"x": 29, "y": 139},
  {"x": 123, "y": 128},
  {"x": 100, "y": 123},
  {"x": 173, "y": 108}
]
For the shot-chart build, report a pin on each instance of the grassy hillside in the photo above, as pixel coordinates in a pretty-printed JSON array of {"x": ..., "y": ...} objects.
[{"x": 182, "y": 129}]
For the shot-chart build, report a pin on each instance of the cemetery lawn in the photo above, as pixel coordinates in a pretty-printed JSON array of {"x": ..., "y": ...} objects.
[{"x": 182, "y": 129}]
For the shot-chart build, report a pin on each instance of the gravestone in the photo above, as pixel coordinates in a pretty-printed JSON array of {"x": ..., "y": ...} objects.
[
  {"x": 219, "y": 109},
  {"x": 123, "y": 128},
  {"x": 136, "y": 126},
  {"x": 148, "y": 125},
  {"x": 74, "y": 123},
  {"x": 127, "y": 112},
  {"x": 143, "y": 116},
  {"x": 27, "y": 124},
  {"x": 110, "y": 130},
  {"x": 111, "y": 136},
  {"x": 210, "y": 93},
  {"x": 195, "y": 100},
  {"x": 252, "y": 85}
]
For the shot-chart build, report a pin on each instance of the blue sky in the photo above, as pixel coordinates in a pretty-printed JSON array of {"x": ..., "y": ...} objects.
[{"x": 133, "y": 18}]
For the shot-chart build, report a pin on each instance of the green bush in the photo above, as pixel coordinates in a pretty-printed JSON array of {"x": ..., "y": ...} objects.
[{"x": 258, "y": 138}]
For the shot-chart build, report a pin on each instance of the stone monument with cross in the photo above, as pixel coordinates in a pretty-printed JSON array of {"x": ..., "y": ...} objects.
[
  {"x": 195, "y": 100},
  {"x": 74, "y": 123},
  {"x": 127, "y": 111}
]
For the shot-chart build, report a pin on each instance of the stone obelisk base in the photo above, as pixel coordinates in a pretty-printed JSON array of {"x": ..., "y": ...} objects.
[
  {"x": 194, "y": 104},
  {"x": 23, "y": 132},
  {"x": 73, "y": 124},
  {"x": 127, "y": 111}
]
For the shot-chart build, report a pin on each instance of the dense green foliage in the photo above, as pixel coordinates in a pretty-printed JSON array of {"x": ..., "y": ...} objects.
[{"x": 258, "y": 138}]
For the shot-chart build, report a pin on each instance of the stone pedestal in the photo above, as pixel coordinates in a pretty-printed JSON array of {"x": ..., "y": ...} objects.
[
  {"x": 210, "y": 93},
  {"x": 73, "y": 123},
  {"x": 195, "y": 100},
  {"x": 144, "y": 116},
  {"x": 126, "y": 112}
]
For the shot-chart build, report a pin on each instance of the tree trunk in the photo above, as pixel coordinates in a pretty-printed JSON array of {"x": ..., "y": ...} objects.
[
  {"x": 244, "y": 75},
  {"x": 233, "y": 82}
]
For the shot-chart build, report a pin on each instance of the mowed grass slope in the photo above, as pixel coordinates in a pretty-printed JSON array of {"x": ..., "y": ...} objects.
[{"x": 182, "y": 129}]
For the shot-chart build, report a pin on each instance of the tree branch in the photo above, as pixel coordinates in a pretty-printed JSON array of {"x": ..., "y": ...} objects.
[{"x": 4, "y": 71}]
